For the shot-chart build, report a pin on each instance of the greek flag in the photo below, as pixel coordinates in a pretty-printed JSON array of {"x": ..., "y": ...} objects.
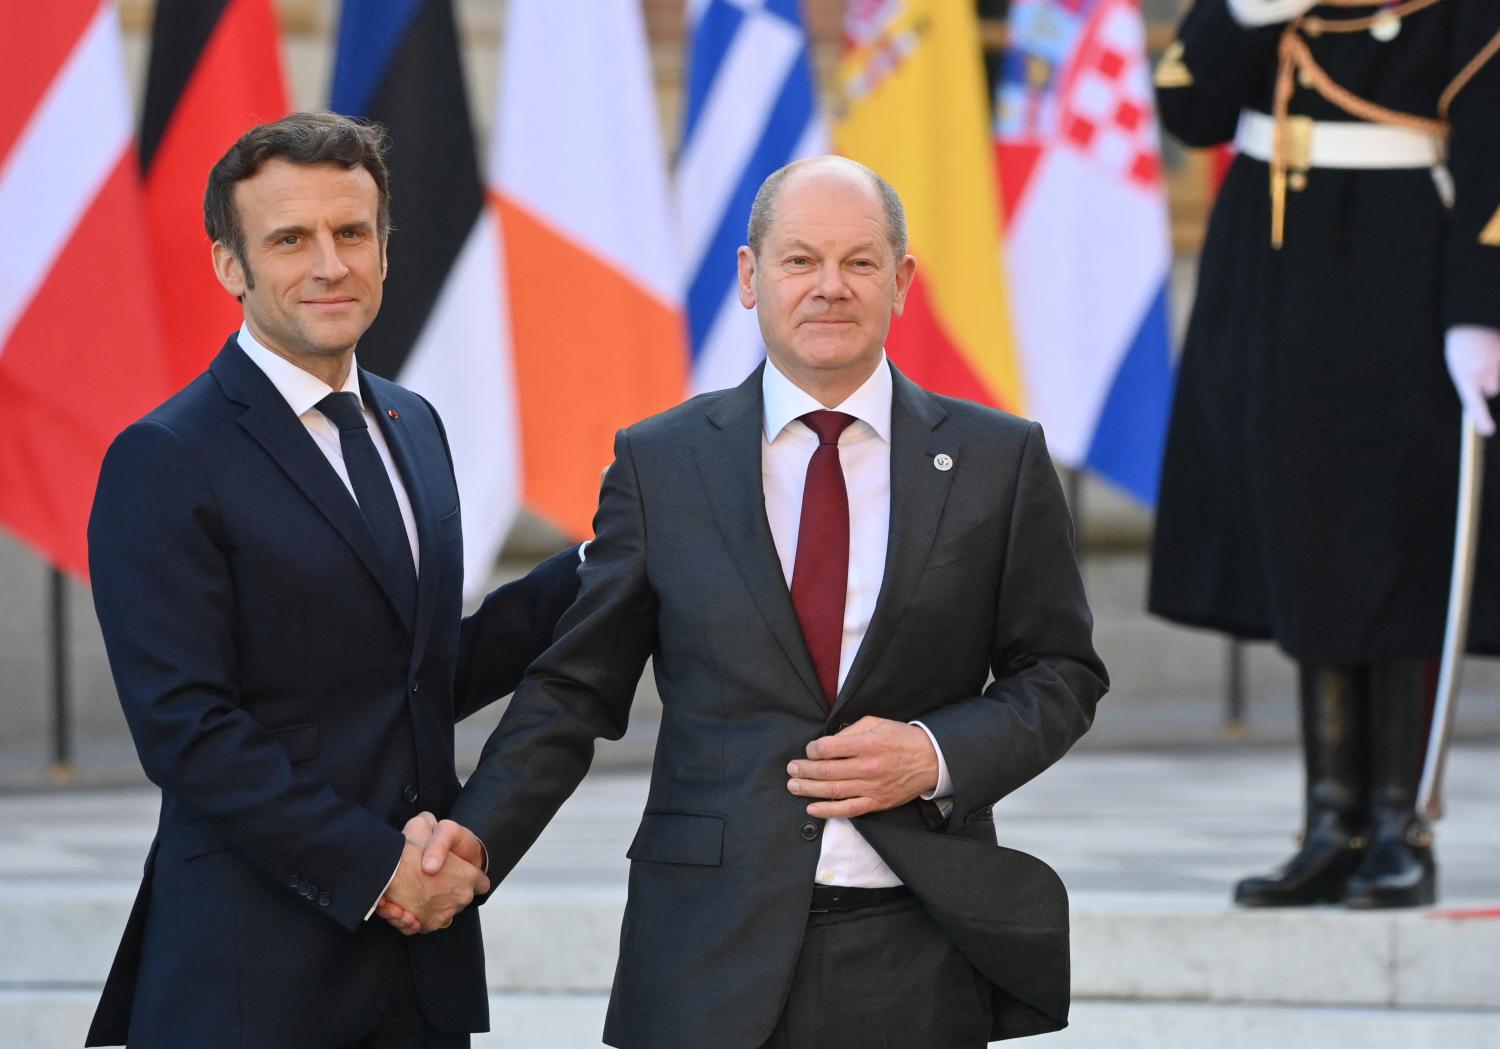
[{"x": 751, "y": 108}]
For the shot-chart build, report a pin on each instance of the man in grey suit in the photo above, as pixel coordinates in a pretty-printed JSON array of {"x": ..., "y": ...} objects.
[{"x": 826, "y": 564}]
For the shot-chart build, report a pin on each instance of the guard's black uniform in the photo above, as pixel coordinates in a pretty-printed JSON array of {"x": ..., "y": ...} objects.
[{"x": 1311, "y": 466}]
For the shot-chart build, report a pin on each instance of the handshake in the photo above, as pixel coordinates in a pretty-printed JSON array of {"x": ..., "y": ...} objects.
[{"x": 441, "y": 871}]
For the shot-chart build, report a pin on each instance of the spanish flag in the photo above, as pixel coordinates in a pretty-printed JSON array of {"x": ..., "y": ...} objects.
[{"x": 913, "y": 105}]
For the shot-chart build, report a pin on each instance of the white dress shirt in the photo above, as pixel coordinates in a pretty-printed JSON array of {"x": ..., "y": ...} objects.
[
  {"x": 302, "y": 391},
  {"x": 787, "y": 446}
]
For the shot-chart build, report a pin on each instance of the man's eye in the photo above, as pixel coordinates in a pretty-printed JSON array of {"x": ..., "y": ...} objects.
[
  {"x": 290, "y": 239},
  {"x": 798, "y": 260},
  {"x": 350, "y": 234}
]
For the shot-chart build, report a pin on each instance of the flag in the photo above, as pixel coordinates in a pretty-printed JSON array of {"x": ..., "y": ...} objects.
[
  {"x": 442, "y": 329},
  {"x": 913, "y": 106},
  {"x": 591, "y": 265},
  {"x": 750, "y": 108},
  {"x": 215, "y": 73},
  {"x": 1088, "y": 238},
  {"x": 80, "y": 344}
]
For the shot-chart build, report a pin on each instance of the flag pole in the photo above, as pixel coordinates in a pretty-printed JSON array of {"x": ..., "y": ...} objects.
[
  {"x": 1234, "y": 690},
  {"x": 62, "y": 734}
]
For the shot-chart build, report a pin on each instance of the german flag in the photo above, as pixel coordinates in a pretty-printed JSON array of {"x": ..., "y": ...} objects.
[{"x": 215, "y": 73}]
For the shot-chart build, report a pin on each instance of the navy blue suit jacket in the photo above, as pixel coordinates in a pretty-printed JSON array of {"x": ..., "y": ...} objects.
[{"x": 293, "y": 719}]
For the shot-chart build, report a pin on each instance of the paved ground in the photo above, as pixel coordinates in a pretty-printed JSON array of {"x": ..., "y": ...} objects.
[{"x": 1172, "y": 822}]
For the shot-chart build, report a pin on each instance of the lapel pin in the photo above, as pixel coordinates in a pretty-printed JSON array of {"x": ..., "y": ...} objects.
[
  {"x": 943, "y": 461},
  {"x": 393, "y": 413}
]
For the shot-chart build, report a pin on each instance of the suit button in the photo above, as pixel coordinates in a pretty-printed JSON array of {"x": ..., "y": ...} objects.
[
  {"x": 809, "y": 830},
  {"x": 416, "y": 686},
  {"x": 294, "y": 881},
  {"x": 410, "y": 794},
  {"x": 303, "y": 889},
  {"x": 324, "y": 900}
]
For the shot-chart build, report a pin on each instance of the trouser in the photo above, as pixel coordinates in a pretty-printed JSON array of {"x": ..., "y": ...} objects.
[
  {"x": 882, "y": 977},
  {"x": 403, "y": 1025}
]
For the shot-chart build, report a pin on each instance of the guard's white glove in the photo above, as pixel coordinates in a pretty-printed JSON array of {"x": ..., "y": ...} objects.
[
  {"x": 1251, "y": 13},
  {"x": 1473, "y": 356}
]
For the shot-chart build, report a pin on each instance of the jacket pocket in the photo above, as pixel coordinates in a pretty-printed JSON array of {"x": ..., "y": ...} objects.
[
  {"x": 450, "y": 527},
  {"x": 188, "y": 841},
  {"x": 679, "y": 837},
  {"x": 299, "y": 741}
]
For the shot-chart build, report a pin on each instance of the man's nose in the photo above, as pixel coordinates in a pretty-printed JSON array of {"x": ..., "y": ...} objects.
[
  {"x": 330, "y": 265},
  {"x": 831, "y": 284}
]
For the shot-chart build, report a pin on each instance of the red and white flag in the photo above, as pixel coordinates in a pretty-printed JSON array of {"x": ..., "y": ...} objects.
[{"x": 81, "y": 353}]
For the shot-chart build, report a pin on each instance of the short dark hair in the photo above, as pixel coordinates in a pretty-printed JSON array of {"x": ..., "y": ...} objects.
[
  {"x": 761, "y": 210},
  {"x": 301, "y": 138}
]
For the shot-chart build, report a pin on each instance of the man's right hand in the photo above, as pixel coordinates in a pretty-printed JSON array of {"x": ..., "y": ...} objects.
[
  {"x": 1473, "y": 355},
  {"x": 433, "y": 899}
]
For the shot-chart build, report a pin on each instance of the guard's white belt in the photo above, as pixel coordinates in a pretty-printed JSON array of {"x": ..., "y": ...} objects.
[{"x": 1338, "y": 144}]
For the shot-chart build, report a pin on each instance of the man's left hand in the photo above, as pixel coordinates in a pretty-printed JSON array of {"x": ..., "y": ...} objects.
[{"x": 873, "y": 764}]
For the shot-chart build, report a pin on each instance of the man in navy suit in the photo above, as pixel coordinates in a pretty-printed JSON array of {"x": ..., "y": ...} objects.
[{"x": 276, "y": 558}]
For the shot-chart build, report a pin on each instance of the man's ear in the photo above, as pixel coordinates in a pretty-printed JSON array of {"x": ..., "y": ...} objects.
[
  {"x": 746, "y": 261},
  {"x": 228, "y": 269},
  {"x": 904, "y": 276},
  {"x": 385, "y": 258}
]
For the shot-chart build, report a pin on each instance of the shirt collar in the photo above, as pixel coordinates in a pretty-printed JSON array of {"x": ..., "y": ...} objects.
[
  {"x": 302, "y": 390},
  {"x": 785, "y": 401}
]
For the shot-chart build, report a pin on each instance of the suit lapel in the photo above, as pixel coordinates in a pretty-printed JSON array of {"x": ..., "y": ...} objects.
[
  {"x": 269, "y": 421},
  {"x": 729, "y": 463},
  {"x": 919, "y": 491},
  {"x": 408, "y": 463}
]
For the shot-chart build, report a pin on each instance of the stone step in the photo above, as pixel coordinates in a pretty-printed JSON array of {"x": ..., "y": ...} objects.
[
  {"x": 57, "y": 1018},
  {"x": 562, "y": 940}
]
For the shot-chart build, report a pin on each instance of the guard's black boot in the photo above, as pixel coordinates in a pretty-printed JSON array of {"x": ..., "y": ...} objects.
[
  {"x": 1397, "y": 869},
  {"x": 1331, "y": 838}
]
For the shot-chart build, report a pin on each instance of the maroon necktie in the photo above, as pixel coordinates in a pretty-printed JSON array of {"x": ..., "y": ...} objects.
[{"x": 820, "y": 576}]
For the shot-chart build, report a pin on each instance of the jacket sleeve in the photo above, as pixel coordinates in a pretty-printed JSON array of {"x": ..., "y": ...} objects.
[
  {"x": 510, "y": 629},
  {"x": 1213, "y": 69},
  {"x": 164, "y": 595},
  {"x": 1471, "y": 290},
  {"x": 579, "y": 690},
  {"x": 1047, "y": 677}
]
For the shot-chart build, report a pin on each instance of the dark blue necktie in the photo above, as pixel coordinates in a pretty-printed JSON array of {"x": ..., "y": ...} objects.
[{"x": 375, "y": 495}]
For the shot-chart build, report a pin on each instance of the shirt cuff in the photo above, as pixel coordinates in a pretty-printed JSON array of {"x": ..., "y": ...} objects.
[
  {"x": 944, "y": 786},
  {"x": 387, "y": 887}
]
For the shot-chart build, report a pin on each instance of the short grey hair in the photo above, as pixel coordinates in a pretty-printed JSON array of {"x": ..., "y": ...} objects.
[{"x": 761, "y": 211}]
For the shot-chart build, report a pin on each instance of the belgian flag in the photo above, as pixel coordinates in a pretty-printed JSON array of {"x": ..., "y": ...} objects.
[{"x": 215, "y": 72}]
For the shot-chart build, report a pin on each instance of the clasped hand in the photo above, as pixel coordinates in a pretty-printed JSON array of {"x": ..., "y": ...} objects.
[
  {"x": 441, "y": 871},
  {"x": 873, "y": 764}
]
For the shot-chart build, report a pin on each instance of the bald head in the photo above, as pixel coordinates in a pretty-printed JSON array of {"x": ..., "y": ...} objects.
[{"x": 762, "y": 211}]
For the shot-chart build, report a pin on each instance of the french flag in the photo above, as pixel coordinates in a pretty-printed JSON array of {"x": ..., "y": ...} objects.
[{"x": 1087, "y": 235}]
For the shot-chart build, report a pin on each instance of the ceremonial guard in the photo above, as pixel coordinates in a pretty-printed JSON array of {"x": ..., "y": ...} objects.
[{"x": 1312, "y": 463}]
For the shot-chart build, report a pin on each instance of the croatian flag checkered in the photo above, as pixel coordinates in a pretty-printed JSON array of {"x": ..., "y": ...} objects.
[{"x": 1087, "y": 234}]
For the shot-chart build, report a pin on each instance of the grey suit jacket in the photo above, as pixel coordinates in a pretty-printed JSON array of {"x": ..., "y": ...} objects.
[{"x": 980, "y": 578}]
